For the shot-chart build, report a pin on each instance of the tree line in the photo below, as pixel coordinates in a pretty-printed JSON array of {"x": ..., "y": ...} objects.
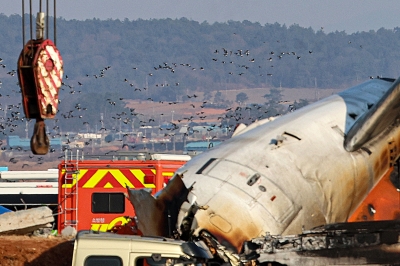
[{"x": 169, "y": 59}]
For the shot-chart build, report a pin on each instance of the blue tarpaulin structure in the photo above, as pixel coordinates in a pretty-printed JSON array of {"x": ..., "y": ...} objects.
[{"x": 3, "y": 210}]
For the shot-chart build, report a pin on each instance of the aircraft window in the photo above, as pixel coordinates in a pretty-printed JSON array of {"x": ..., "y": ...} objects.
[
  {"x": 253, "y": 179},
  {"x": 108, "y": 203},
  {"x": 262, "y": 188},
  {"x": 103, "y": 261}
]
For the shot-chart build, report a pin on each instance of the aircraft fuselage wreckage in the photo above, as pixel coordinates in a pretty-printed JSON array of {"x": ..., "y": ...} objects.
[{"x": 308, "y": 168}]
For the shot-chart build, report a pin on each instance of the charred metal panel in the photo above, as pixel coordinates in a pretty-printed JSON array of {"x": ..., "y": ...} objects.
[
  {"x": 345, "y": 244},
  {"x": 158, "y": 216}
]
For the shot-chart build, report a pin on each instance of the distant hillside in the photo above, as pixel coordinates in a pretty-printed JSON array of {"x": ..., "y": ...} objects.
[
  {"x": 107, "y": 62},
  {"x": 204, "y": 57}
]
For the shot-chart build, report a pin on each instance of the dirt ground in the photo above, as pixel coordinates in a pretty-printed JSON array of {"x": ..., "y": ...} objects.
[
  {"x": 178, "y": 111},
  {"x": 35, "y": 250}
]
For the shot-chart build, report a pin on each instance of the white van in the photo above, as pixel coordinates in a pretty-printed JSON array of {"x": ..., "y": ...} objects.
[{"x": 97, "y": 249}]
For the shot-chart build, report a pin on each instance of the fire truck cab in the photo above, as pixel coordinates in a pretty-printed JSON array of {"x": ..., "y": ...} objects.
[{"x": 92, "y": 193}]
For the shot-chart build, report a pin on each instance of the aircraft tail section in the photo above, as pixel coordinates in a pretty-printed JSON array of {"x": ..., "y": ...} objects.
[{"x": 383, "y": 114}]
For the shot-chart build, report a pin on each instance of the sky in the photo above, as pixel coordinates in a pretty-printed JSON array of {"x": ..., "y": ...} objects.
[{"x": 338, "y": 15}]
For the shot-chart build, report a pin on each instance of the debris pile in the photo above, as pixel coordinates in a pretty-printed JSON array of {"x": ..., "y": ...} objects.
[{"x": 25, "y": 221}]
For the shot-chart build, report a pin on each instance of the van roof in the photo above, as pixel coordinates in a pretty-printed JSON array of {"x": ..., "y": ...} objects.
[
  {"x": 99, "y": 242},
  {"x": 89, "y": 234}
]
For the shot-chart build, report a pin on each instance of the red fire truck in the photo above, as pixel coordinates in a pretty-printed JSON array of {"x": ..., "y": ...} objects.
[{"x": 92, "y": 192}]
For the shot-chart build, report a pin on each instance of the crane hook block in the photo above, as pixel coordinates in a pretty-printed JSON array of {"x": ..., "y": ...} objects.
[
  {"x": 40, "y": 141},
  {"x": 40, "y": 72}
]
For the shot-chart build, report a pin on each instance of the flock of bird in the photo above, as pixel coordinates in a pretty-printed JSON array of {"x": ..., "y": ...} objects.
[
  {"x": 227, "y": 57},
  {"x": 239, "y": 60}
]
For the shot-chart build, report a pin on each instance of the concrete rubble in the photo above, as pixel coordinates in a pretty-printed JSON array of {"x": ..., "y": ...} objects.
[{"x": 25, "y": 221}]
